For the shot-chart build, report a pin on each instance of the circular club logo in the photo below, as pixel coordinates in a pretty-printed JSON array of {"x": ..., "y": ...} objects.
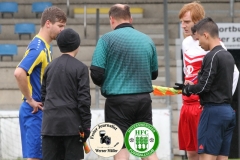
[
  {"x": 106, "y": 139},
  {"x": 141, "y": 139}
]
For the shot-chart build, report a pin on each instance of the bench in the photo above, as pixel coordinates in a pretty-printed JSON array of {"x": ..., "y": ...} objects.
[{"x": 103, "y": 12}]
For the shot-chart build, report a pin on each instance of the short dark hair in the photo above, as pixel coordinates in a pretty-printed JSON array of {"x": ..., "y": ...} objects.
[
  {"x": 193, "y": 29},
  {"x": 207, "y": 25},
  {"x": 119, "y": 12},
  {"x": 53, "y": 14}
]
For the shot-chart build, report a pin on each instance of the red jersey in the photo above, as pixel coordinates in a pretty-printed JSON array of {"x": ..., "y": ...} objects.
[{"x": 193, "y": 56}]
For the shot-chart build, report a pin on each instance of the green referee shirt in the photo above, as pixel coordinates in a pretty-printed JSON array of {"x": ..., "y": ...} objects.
[{"x": 128, "y": 57}]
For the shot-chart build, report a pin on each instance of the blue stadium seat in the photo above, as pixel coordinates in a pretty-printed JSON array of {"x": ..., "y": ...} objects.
[
  {"x": 38, "y": 7},
  {"x": 8, "y": 50},
  {"x": 24, "y": 28},
  {"x": 8, "y": 7}
]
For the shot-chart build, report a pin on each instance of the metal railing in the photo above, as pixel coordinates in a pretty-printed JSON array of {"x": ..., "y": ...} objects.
[
  {"x": 68, "y": 8},
  {"x": 232, "y": 9}
]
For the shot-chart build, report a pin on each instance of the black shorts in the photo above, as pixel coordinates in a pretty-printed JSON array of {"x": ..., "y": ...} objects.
[
  {"x": 62, "y": 148},
  {"x": 126, "y": 110}
]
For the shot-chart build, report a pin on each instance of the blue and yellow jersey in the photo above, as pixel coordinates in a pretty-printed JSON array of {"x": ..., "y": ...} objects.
[{"x": 35, "y": 60}]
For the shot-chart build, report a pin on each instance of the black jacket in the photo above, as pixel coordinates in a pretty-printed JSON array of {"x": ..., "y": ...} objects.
[
  {"x": 66, "y": 97},
  {"x": 215, "y": 77}
]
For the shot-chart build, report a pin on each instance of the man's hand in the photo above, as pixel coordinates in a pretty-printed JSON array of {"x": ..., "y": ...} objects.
[
  {"x": 188, "y": 82},
  {"x": 86, "y": 134},
  {"x": 35, "y": 105},
  {"x": 178, "y": 86},
  {"x": 185, "y": 91}
]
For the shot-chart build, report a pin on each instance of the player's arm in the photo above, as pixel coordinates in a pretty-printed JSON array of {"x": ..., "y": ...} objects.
[
  {"x": 84, "y": 99},
  {"x": 22, "y": 81},
  {"x": 24, "y": 69},
  {"x": 235, "y": 73},
  {"x": 154, "y": 63},
  {"x": 208, "y": 74},
  {"x": 97, "y": 67},
  {"x": 235, "y": 78},
  {"x": 43, "y": 87},
  {"x": 154, "y": 75},
  {"x": 97, "y": 75}
]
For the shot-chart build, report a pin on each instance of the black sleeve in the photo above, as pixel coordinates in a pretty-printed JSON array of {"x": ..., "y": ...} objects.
[
  {"x": 97, "y": 75},
  {"x": 154, "y": 75},
  {"x": 206, "y": 76},
  {"x": 84, "y": 98},
  {"x": 43, "y": 87}
]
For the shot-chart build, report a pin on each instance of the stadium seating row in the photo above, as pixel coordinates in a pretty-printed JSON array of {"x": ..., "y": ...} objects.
[
  {"x": 136, "y": 12},
  {"x": 19, "y": 28},
  {"x": 11, "y": 49},
  {"x": 38, "y": 7},
  {"x": 8, "y": 50},
  {"x": 12, "y": 7},
  {"x": 23, "y": 28}
]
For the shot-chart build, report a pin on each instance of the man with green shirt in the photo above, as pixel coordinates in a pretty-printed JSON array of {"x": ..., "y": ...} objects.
[{"x": 124, "y": 64}]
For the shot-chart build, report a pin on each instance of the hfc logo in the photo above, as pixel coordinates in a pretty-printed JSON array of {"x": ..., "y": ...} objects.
[{"x": 141, "y": 140}]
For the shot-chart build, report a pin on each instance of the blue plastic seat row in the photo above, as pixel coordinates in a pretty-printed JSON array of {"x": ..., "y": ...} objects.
[
  {"x": 12, "y": 7},
  {"x": 11, "y": 50},
  {"x": 8, "y": 7},
  {"x": 23, "y": 28},
  {"x": 19, "y": 28},
  {"x": 8, "y": 50},
  {"x": 38, "y": 7}
]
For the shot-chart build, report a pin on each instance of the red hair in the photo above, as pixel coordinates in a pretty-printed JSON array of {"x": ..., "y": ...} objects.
[{"x": 196, "y": 10}]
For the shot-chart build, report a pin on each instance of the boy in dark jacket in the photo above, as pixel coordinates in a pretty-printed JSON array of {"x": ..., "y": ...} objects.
[{"x": 66, "y": 98}]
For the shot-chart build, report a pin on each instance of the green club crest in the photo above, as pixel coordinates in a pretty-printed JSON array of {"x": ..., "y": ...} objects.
[{"x": 141, "y": 139}]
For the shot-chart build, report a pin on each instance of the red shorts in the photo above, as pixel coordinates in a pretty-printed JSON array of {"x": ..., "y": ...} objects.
[{"x": 188, "y": 125}]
